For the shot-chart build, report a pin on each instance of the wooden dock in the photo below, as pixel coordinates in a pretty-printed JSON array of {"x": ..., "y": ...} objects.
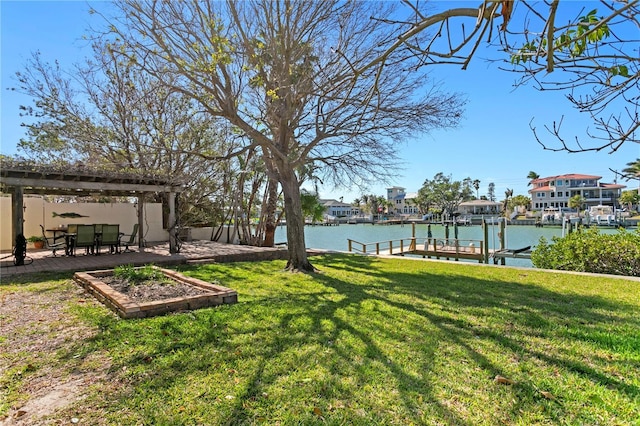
[
  {"x": 439, "y": 248},
  {"x": 444, "y": 248}
]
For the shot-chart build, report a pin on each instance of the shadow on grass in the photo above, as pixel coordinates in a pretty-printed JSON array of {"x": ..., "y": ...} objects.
[{"x": 359, "y": 324}]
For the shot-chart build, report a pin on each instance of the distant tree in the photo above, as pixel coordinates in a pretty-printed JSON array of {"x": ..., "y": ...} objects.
[
  {"x": 632, "y": 171},
  {"x": 491, "y": 191},
  {"x": 423, "y": 201},
  {"x": 476, "y": 185},
  {"x": 519, "y": 200},
  {"x": 373, "y": 204},
  {"x": 507, "y": 197},
  {"x": 312, "y": 208},
  {"x": 389, "y": 207},
  {"x": 629, "y": 198},
  {"x": 532, "y": 176},
  {"x": 576, "y": 202},
  {"x": 447, "y": 193}
]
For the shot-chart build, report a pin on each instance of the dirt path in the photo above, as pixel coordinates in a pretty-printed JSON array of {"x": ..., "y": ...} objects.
[{"x": 37, "y": 339}]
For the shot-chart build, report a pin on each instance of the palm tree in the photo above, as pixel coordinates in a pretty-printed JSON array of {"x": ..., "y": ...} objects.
[
  {"x": 476, "y": 185},
  {"x": 507, "y": 196},
  {"x": 532, "y": 176},
  {"x": 633, "y": 171},
  {"x": 576, "y": 202}
]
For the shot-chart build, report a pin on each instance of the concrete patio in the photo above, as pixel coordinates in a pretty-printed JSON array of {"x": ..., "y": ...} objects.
[{"x": 192, "y": 252}]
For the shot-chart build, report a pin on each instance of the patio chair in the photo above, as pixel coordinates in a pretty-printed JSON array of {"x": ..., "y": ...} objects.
[
  {"x": 50, "y": 243},
  {"x": 70, "y": 238},
  {"x": 131, "y": 240},
  {"x": 111, "y": 238},
  {"x": 86, "y": 237}
]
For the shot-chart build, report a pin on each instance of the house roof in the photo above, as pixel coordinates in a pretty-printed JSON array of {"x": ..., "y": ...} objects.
[
  {"x": 541, "y": 189},
  {"x": 612, "y": 185},
  {"x": 601, "y": 185},
  {"x": 335, "y": 203},
  {"x": 569, "y": 176}
]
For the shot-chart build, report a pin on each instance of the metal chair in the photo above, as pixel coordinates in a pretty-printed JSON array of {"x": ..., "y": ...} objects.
[
  {"x": 86, "y": 237},
  {"x": 111, "y": 238},
  {"x": 132, "y": 238},
  {"x": 50, "y": 243}
]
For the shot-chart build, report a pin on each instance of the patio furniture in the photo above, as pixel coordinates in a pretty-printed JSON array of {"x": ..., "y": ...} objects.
[
  {"x": 70, "y": 239},
  {"x": 50, "y": 243},
  {"x": 131, "y": 240},
  {"x": 111, "y": 238},
  {"x": 85, "y": 237}
]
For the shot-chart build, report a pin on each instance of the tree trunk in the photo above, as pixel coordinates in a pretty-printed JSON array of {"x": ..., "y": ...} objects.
[
  {"x": 295, "y": 224},
  {"x": 270, "y": 219}
]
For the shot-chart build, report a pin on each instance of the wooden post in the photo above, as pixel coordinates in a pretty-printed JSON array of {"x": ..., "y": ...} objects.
[
  {"x": 17, "y": 201},
  {"x": 485, "y": 243},
  {"x": 141, "y": 222},
  {"x": 502, "y": 240},
  {"x": 173, "y": 246},
  {"x": 349, "y": 240}
]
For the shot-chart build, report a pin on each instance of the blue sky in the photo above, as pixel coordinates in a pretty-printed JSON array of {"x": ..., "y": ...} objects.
[{"x": 493, "y": 142}]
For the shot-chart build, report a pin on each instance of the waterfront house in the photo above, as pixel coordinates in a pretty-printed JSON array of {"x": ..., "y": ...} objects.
[
  {"x": 402, "y": 201},
  {"x": 337, "y": 208},
  {"x": 555, "y": 191},
  {"x": 480, "y": 207}
]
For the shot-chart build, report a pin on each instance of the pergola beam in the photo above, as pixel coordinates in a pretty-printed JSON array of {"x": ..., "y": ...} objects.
[{"x": 79, "y": 186}]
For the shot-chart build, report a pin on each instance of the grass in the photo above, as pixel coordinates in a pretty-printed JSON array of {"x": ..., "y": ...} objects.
[{"x": 373, "y": 341}]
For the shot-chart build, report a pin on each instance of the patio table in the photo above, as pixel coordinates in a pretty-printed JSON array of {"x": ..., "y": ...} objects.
[{"x": 55, "y": 231}]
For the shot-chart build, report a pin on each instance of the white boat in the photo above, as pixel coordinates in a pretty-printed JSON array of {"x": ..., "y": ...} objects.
[
  {"x": 551, "y": 215},
  {"x": 602, "y": 215}
]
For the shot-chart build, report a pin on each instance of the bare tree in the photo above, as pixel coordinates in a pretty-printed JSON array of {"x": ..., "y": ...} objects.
[
  {"x": 284, "y": 74},
  {"x": 105, "y": 113},
  {"x": 590, "y": 55}
]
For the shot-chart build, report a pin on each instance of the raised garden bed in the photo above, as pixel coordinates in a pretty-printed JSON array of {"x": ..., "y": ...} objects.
[{"x": 180, "y": 294}]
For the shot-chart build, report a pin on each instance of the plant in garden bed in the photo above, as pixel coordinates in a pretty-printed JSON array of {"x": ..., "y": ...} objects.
[{"x": 138, "y": 275}]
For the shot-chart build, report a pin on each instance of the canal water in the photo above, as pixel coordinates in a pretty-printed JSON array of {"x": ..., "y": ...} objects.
[{"x": 336, "y": 237}]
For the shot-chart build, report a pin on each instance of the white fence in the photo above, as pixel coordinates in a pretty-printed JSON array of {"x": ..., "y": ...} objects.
[{"x": 39, "y": 212}]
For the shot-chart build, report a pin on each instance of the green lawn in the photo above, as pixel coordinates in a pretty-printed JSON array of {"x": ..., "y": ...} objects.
[{"x": 368, "y": 341}]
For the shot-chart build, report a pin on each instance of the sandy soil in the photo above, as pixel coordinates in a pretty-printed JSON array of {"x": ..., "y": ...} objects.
[{"x": 35, "y": 330}]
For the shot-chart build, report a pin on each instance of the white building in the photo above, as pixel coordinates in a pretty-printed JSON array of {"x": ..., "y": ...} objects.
[
  {"x": 555, "y": 191},
  {"x": 402, "y": 201},
  {"x": 337, "y": 208},
  {"x": 480, "y": 207}
]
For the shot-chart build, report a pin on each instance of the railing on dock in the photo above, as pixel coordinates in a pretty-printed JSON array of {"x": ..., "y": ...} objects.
[
  {"x": 448, "y": 248},
  {"x": 401, "y": 246}
]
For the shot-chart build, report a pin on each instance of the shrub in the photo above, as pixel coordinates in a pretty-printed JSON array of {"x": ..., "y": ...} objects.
[
  {"x": 138, "y": 275},
  {"x": 591, "y": 251}
]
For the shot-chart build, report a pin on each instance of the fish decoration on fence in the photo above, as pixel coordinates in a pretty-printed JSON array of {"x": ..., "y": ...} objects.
[{"x": 70, "y": 215}]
